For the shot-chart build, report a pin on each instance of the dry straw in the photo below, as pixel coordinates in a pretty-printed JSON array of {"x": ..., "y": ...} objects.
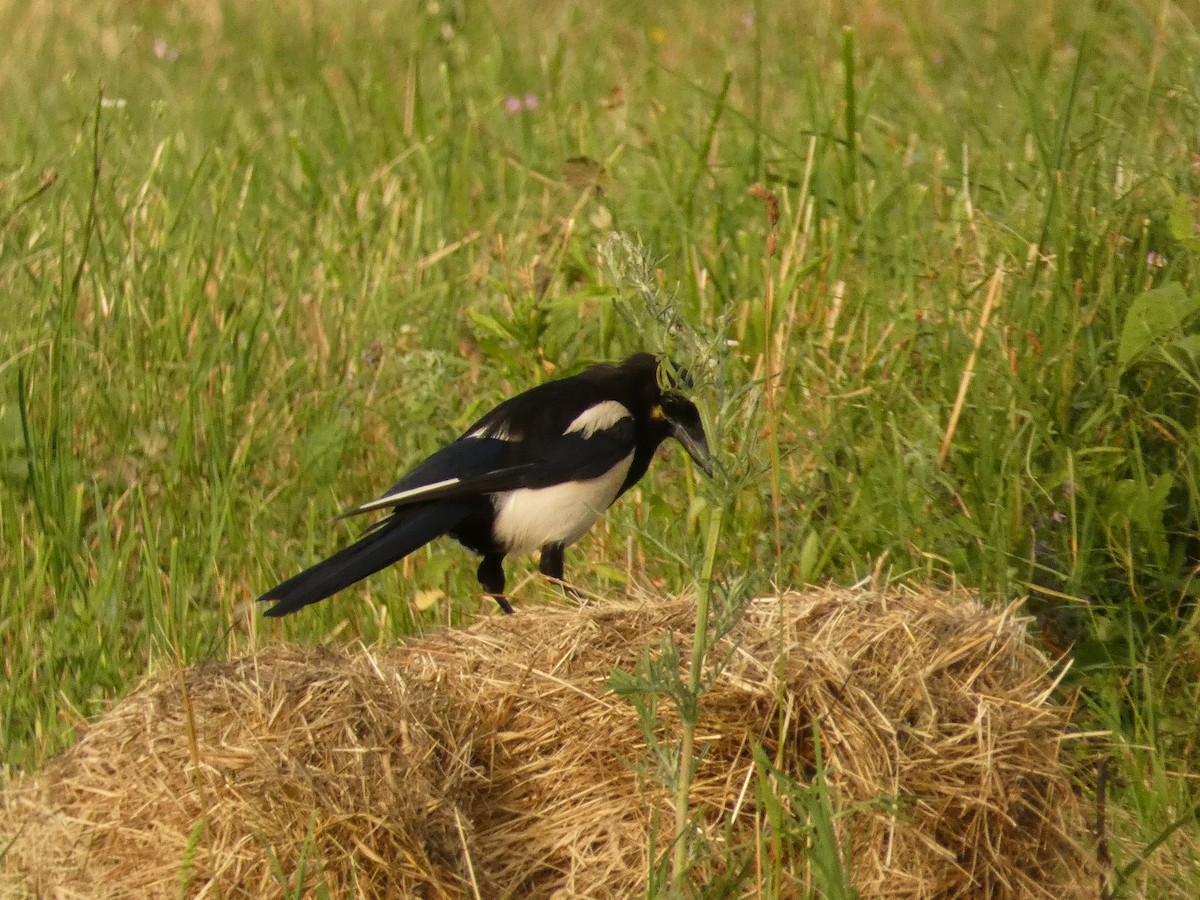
[{"x": 494, "y": 762}]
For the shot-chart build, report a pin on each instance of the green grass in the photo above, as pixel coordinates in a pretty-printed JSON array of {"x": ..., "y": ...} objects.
[{"x": 255, "y": 261}]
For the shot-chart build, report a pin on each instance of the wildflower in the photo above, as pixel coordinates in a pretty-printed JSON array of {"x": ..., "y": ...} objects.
[
  {"x": 514, "y": 104},
  {"x": 162, "y": 50}
]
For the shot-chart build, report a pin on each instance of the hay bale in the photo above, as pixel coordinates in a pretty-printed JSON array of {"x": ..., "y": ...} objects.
[
  {"x": 297, "y": 754},
  {"x": 495, "y": 762}
]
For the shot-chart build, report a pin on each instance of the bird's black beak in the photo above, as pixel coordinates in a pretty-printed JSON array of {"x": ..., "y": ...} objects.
[
  {"x": 696, "y": 444},
  {"x": 687, "y": 427}
]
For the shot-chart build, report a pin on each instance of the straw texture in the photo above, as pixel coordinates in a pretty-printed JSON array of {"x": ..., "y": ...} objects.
[{"x": 495, "y": 761}]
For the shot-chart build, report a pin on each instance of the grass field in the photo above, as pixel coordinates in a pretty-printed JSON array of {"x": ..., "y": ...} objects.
[{"x": 256, "y": 259}]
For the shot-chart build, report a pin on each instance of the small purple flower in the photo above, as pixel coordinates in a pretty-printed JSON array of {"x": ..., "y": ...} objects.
[
  {"x": 514, "y": 104},
  {"x": 163, "y": 50},
  {"x": 1155, "y": 260}
]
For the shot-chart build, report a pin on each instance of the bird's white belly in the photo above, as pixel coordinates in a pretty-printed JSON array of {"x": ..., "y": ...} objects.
[{"x": 530, "y": 518}]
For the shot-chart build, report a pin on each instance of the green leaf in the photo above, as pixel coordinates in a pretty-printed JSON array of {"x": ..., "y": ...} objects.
[
  {"x": 1182, "y": 220},
  {"x": 1152, "y": 316},
  {"x": 491, "y": 324},
  {"x": 610, "y": 573},
  {"x": 810, "y": 553},
  {"x": 1190, "y": 345},
  {"x": 11, "y": 435}
]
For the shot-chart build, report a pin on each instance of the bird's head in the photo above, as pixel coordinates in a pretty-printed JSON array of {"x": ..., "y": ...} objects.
[
  {"x": 672, "y": 414},
  {"x": 682, "y": 419}
]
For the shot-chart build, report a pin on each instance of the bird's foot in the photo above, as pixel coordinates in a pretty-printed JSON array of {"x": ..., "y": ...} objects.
[{"x": 502, "y": 601}]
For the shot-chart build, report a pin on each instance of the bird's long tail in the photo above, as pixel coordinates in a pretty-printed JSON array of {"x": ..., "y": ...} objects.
[{"x": 390, "y": 541}]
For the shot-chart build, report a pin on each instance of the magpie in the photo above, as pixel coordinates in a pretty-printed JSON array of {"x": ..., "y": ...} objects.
[{"x": 535, "y": 473}]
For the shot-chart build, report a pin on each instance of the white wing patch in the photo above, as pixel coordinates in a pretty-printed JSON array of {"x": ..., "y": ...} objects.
[
  {"x": 495, "y": 432},
  {"x": 597, "y": 418},
  {"x": 530, "y": 518},
  {"x": 401, "y": 496}
]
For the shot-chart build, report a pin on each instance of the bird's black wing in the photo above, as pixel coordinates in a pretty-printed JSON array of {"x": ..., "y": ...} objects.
[
  {"x": 518, "y": 445},
  {"x": 577, "y": 457},
  {"x": 466, "y": 468}
]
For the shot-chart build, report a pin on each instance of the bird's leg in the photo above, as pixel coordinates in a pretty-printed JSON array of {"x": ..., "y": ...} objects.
[
  {"x": 491, "y": 579},
  {"x": 551, "y": 565}
]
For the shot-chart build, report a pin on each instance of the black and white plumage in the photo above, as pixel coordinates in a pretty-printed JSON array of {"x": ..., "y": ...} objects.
[{"x": 535, "y": 473}]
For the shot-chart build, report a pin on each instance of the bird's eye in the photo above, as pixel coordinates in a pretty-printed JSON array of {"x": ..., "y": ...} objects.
[{"x": 680, "y": 411}]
